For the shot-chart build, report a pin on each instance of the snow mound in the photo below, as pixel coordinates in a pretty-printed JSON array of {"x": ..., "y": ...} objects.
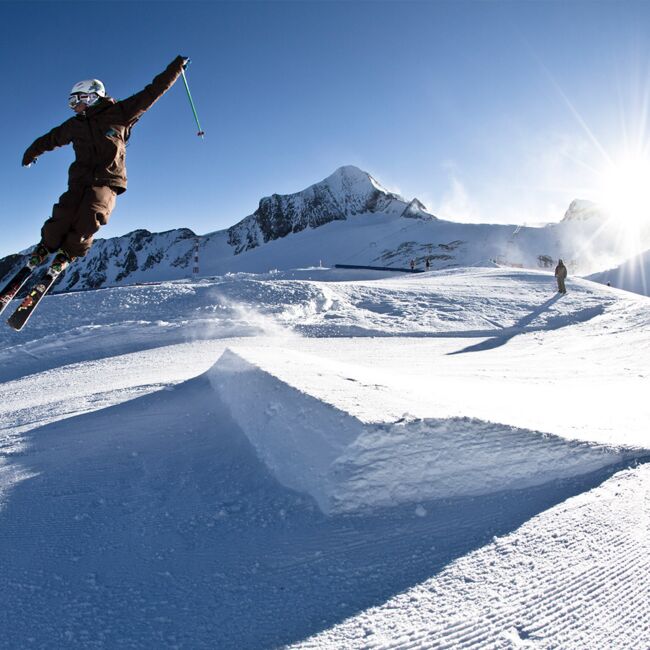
[{"x": 349, "y": 462}]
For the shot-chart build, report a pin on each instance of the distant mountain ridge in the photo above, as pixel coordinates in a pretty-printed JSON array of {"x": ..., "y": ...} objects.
[
  {"x": 117, "y": 259},
  {"x": 346, "y": 218}
]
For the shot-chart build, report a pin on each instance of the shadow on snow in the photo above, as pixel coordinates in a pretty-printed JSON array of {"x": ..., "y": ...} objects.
[
  {"x": 153, "y": 524},
  {"x": 522, "y": 325}
]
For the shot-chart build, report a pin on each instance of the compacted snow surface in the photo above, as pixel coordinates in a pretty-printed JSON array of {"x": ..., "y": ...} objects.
[{"x": 328, "y": 459}]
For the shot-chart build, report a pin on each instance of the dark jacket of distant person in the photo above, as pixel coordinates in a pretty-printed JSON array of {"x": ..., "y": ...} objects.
[{"x": 560, "y": 276}]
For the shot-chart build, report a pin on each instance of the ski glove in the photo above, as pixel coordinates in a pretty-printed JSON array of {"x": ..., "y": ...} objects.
[
  {"x": 186, "y": 62},
  {"x": 28, "y": 162}
]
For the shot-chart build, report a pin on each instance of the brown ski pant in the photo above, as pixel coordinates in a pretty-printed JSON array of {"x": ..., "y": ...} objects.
[{"x": 78, "y": 215}]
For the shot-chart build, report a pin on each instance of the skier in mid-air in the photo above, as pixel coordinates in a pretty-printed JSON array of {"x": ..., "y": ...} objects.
[{"x": 98, "y": 133}]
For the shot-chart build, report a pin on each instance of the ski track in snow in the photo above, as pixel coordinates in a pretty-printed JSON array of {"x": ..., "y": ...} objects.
[
  {"x": 574, "y": 576},
  {"x": 137, "y": 508}
]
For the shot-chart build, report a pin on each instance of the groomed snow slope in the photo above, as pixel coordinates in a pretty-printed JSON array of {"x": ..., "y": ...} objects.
[
  {"x": 140, "y": 508},
  {"x": 575, "y": 576}
]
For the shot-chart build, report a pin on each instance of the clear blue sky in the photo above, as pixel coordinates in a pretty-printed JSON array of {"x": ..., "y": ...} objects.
[{"x": 492, "y": 111}]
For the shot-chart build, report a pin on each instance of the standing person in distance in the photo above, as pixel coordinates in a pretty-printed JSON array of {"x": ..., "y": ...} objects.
[
  {"x": 98, "y": 133},
  {"x": 560, "y": 276}
]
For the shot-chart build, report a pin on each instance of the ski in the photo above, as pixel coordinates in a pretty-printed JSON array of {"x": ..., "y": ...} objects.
[
  {"x": 15, "y": 284},
  {"x": 26, "y": 308}
]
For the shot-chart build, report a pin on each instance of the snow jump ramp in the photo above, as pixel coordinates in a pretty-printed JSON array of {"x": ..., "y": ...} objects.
[{"x": 335, "y": 432}]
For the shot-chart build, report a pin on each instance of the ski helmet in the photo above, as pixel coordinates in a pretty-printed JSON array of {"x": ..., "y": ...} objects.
[{"x": 87, "y": 91}]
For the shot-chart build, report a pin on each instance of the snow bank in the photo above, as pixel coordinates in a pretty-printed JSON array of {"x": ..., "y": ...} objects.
[{"x": 349, "y": 462}]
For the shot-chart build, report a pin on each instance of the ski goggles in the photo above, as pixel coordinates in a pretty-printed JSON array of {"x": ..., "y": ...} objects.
[{"x": 82, "y": 98}]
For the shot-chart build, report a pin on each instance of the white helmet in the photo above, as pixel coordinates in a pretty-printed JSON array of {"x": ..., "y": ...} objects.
[{"x": 87, "y": 91}]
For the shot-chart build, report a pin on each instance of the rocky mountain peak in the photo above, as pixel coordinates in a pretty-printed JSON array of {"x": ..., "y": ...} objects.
[
  {"x": 350, "y": 181},
  {"x": 347, "y": 192}
]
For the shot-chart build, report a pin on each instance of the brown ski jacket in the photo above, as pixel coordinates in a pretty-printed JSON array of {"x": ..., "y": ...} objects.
[{"x": 99, "y": 135}]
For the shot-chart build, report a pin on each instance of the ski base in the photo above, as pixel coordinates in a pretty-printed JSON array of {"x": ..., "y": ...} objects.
[
  {"x": 14, "y": 286},
  {"x": 8, "y": 293},
  {"x": 26, "y": 308}
]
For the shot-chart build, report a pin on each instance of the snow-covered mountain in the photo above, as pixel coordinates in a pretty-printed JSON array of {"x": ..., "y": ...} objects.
[
  {"x": 581, "y": 210},
  {"x": 348, "y": 218},
  {"x": 344, "y": 194}
]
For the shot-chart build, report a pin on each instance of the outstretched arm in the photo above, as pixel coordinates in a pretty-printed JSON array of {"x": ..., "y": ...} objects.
[
  {"x": 58, "y": 137},
  {"x": 133, "y": 107}
]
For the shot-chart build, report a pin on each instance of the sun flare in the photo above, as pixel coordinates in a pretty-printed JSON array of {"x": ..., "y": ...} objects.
[{"x": 625, "y": 190}]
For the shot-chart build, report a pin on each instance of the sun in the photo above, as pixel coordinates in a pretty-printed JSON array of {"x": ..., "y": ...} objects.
[{"x": 625, "y": 190}]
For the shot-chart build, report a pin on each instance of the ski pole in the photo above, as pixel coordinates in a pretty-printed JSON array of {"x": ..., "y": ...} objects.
[{"x": 201, "y": 133}]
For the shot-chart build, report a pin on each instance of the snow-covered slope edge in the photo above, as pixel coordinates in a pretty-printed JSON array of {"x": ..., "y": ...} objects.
[
  {"x": 348, "y": 464},
  {"x": 633, "y": 275}
]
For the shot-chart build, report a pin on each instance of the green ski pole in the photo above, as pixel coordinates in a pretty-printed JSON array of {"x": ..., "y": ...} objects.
[{"x": 201, "y": 133}]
